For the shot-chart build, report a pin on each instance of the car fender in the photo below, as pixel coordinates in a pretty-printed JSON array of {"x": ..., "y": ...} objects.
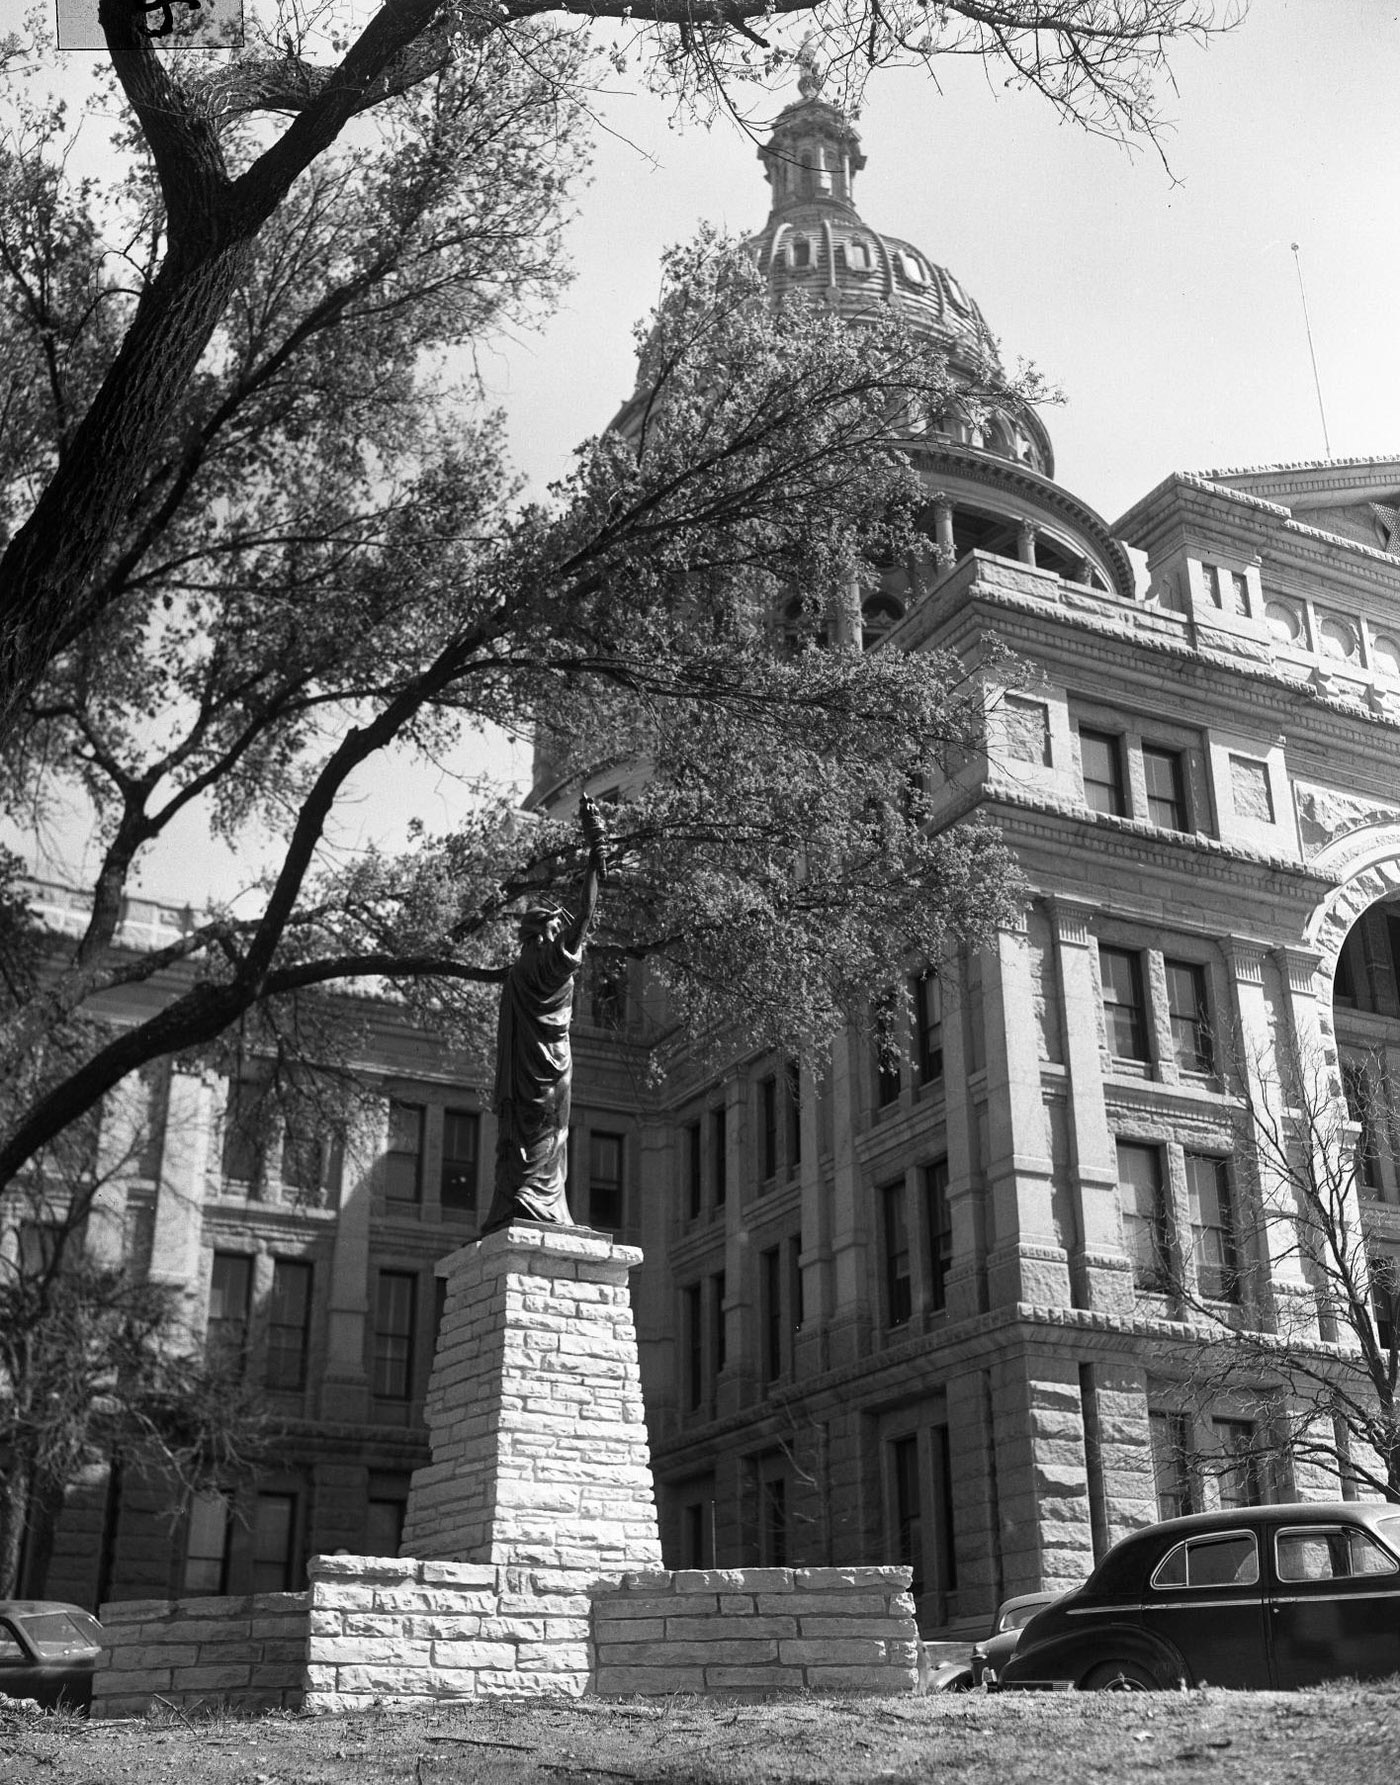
[{"x": 1073, "y": 1655}]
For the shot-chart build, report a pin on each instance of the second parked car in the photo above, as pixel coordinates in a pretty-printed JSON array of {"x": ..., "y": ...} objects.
[{"x": 1262, "y": 1596}]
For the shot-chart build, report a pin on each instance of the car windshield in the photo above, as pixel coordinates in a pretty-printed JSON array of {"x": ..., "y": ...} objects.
[{"x": 56, "y": 1634}]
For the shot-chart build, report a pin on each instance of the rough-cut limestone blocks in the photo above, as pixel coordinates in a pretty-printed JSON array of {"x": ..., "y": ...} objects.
[
  {"x": 401, "y": 1632},
  {"x": 757, "y": 1630},
  {"x": 249, "y": 1651},
  {"x": 534, "y": 1410}
]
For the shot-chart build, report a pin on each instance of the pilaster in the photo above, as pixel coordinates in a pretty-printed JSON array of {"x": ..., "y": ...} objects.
[
  {"x": 1099, "y": 1275},
  {"x": 179, "y": 1219},
  {"x": 1026, "y": 1264}
]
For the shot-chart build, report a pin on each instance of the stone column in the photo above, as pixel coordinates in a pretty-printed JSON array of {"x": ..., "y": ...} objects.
[
  {"x": 1026, "y": 1264},
  {"x": 1025, "y": 541},
  {"x": 849, "y": 1311},
  {"x": 179, "y": 1222},
  {"x": 534, "y": 1410},
  {"x": 344, "y": 1388},
  {"x": 944, "y": 551},
  {"x": 1100, "y": 1272}
]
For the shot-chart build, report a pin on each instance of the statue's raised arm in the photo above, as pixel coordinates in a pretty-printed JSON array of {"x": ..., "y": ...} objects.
[{"x": 534, "y": 1061}]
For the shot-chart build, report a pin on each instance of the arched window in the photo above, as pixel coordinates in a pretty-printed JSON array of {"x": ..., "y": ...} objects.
[
  {"x": 879, "y": 613},
  {"x": 801, "y": 252}
]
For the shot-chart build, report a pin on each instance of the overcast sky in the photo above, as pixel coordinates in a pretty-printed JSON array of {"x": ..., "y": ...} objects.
[{"x": 1164, "y": 301}]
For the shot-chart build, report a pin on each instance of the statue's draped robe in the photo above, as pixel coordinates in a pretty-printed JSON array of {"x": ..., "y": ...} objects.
[{"x": 534, "y": 1079}]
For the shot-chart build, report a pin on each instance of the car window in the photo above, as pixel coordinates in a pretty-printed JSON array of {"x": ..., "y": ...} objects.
[
  {"x": 1231, "y": 1560},
  {"x": 1389, "y": 1529},
  {"x": 1017, "y": 1615},
  {"x": 1329, "y": 1552},
  {"x": 54, "y": 1634},
  {"x": 10, "y": 1649}
]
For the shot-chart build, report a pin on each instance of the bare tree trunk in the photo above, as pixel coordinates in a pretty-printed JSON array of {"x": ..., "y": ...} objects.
[
  {"x": 14, "y": 1518},
  {"x": 48, "y": 571}
]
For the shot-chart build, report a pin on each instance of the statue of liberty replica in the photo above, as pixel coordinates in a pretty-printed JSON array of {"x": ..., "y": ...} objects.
[{"x": 534, "y": 1063}]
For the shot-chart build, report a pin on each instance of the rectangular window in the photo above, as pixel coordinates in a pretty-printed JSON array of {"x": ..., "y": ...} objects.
[
  {"x": 693, "y": 1171},
  {"x": 1240, "y": 1473},
  {"x": 1164, "y": 773},
  {"x": 288, "y": 1324},
  {"x": 274, "y": 1543},
  {"x": 607, "y": 988},
  {"x": 461, "y": 1147},
  {"x": 908, "y": 1509},
  {"x": 770, "y": 1264},
  {"x": 792, "y": 1082},
  {"x": 605, "y": 1194},
  {"x": 694, "y": 1349},
  {"x": 718, "y": 1347},
  {"x": 768, "y": 1127},
  {"x": 1124, "y": 1006},
  {"x": 1189, "y": 1012},
  {"x": 206, "y": 1545},
  {"x": 899, "y": 1286},
  {"x": 943, "y": 1509},
  {"x": 1385, "y": 1297},
  {"x": 796, "y": 1294},
  {"x": 230, "y": 1291},
  {"x": 886, "y": 1052},
  {"x": 303, "y": 1155},
  {"x": 395, "y": 1320},
  {"x": 1361, "y": 1092},
  {"x": 384, "y": 1526},
  {"x": 243, "y": 1131},
  {"x": 940, "y": 1233},
  {"x": 773, "y": 1494},
  {"x": 1171, "y": 1465},
  {"x": 1101, "y": 763},
  {"x": 1213, "y": 1228},
  {"x": 403, "y": 1156},
  {"x": 928, "y": 1026},
  {"x": 697, "y": 1522},
  {"x": 719, "y": 1162},
  {"x": 1144, "y": 1212}
]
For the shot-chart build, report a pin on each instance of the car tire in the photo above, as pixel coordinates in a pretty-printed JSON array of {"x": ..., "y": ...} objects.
[{"x": 1118, "y": 1676}]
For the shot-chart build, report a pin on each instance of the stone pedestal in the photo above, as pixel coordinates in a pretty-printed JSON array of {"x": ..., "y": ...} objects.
[{"x": 534, "y": 1409}]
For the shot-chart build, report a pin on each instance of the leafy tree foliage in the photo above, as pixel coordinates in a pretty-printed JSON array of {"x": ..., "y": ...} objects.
[{"x": 222, "y": 185}]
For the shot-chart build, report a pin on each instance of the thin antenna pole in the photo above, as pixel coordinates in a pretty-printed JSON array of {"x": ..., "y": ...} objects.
[{"x": 1312, "y": 351}]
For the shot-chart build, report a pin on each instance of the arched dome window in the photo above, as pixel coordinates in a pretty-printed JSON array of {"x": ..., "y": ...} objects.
[
  {"x": 801, "y": 252},
  {"x": 860, "y": 256},
  {"x": 911, "y": 269},
  {"x": 879, "y": 613},
  {"x": 839, "y": 259}
]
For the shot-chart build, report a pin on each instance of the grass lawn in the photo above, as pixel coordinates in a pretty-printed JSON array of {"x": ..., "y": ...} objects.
[{"x": 1338, "y": 1735}]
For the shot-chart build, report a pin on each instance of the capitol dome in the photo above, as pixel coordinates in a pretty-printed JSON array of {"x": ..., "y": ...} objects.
[{"x": 816, "y": 241}]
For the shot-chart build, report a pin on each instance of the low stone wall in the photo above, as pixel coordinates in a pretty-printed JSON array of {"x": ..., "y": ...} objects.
[
  {"x": 249, "y": 1652},
  {"x": 401, "y": 1631},
  {"x": 756, "y": 1630},
  {"x": 396, "y": 1631}
]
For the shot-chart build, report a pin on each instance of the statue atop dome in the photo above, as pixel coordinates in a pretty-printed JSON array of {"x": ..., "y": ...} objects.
[{"x": 813, "y": 76}]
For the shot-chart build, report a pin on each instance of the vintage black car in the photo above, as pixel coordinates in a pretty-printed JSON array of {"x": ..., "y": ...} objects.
[
  {"x": 1261, "y": 1596},
  {"x": 48, "y": 1652}
]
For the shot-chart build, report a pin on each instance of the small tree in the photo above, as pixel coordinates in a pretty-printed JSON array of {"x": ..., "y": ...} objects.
[
  {"x": 97, "y": 1368},
  {"x": 1298, "y": 1310}
]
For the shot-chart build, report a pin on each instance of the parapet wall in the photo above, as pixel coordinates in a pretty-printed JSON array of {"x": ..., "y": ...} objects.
[
  {"x": 401, "y": 1632},
  {"x": 248, "y": 1651}
]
